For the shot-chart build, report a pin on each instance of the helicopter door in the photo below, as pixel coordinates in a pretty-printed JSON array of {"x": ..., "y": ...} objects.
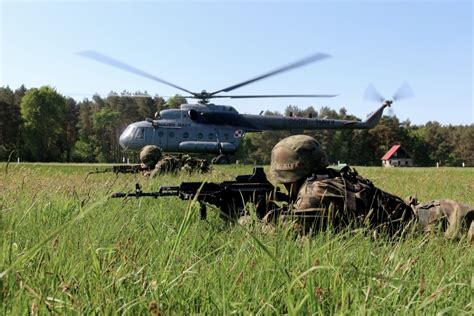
[{"x": 148, "y": 137}]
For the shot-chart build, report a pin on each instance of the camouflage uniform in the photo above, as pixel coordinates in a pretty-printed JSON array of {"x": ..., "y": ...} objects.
[
  {"x": 168, "y": 164},
  {"x": 345, "y": 198},
  {"x": 453, "y": 217},
  {"x": 191, "y": 164},
  {"x": 188, "y": 163},
  {"x": 329, "y": 197},
  {"x": 173, "y": 164}
]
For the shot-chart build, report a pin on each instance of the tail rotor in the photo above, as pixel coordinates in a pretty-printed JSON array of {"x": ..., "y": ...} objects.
[{"x": 404, "y": 92}]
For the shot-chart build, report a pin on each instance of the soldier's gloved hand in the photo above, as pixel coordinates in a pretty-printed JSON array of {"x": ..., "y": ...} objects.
[{"x": 272, "y": 216}]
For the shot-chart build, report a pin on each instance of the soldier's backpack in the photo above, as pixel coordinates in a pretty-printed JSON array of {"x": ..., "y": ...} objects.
[{"x": 345, "y": 198}]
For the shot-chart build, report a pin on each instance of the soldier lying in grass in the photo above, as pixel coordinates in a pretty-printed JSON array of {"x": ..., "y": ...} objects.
[
  {"x": 157, "y": 164},
  {"x": 323, "y": 196}
]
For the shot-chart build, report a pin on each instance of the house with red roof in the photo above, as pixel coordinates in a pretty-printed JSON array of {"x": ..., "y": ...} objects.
[{"x": 397, "y": 156}]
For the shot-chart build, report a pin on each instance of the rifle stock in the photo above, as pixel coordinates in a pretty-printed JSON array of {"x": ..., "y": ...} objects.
[{"x": 229, "y": 196}]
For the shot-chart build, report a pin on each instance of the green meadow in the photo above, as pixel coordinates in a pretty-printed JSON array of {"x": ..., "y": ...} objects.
[{"x": 67, "y": 248}]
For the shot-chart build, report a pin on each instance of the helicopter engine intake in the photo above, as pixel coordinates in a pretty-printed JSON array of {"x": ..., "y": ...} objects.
[{"x": 193, "y": 114}]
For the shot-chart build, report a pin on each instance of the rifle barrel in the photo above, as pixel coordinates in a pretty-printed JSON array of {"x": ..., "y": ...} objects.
[{"x": 164, "y": 191}]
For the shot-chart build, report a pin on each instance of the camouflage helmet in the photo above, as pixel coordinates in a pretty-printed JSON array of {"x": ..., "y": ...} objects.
[
  {"x": 296, "y": 157},
  {"x": 150, "y": 155}
]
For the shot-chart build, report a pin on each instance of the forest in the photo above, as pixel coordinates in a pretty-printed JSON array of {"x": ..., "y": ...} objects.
[{"x": 42, "y": 125}]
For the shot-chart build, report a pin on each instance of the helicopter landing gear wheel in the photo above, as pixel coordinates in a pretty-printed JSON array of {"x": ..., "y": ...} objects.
[{"x": 221, "y": 160}]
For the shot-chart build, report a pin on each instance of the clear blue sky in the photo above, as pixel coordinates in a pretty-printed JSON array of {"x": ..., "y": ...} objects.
[{"x": 211, "y": 45}]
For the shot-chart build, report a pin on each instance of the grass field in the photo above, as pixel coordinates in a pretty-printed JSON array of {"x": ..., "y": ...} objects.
[{"x": 67, "y": 248}]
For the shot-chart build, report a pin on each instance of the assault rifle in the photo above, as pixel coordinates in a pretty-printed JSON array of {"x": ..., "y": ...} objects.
[
  {"x": 121, "y": 169},
  {"x": 229, "y": 196}
]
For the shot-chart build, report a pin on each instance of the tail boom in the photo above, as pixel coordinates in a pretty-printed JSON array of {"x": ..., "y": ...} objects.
[{"x": 267, "y": 122}]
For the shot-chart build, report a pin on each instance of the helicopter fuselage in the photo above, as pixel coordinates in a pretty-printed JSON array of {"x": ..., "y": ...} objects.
[
  {"x": 219, "y": 129},
  {"x": 176, "y": 131}
]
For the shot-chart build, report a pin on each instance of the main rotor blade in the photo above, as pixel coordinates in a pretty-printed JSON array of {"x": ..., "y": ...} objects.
[
  {"x": 302, "y": 62},
  {"x": 130, "y": 95},
  {"x": 403, "y": 92},
  {"x": 276, "y": 96},
  {"x": 118, "y": 64},
  {"x": 114, "y": 94},
  {"x": 372, "y": 94}
]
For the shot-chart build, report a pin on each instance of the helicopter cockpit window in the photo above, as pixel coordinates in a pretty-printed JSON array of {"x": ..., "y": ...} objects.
[
  {"x": 129, "y": 131},
  {"x": 171, "y": 134},
  {"x": 200, "y": 135},
  {"x": 185, "y": 135},
  {"x": 210, "y": 136},
  {"x": 226, "y": 136},
  {"x": 160, "y": 134},
  {"x": 140, "y": 133}
]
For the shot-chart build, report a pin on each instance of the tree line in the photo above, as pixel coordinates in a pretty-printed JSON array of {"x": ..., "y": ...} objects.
[{"x": 40, "y": 124}]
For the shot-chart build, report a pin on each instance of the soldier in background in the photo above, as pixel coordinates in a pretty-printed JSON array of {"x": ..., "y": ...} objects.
[
  {"x": 185, "y": 162},
  {"x": 156, "y": 164},
  {"x": 323, "y": 196},
  {"x": 153, "y": 163},
  {"x": 149, "y": 157},
  {"x": 169, "y": 164},
  {"x": 191, "y": 164}
]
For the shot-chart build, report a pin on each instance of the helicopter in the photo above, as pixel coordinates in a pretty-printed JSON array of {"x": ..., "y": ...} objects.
[{"x": 217, "y": 129}]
